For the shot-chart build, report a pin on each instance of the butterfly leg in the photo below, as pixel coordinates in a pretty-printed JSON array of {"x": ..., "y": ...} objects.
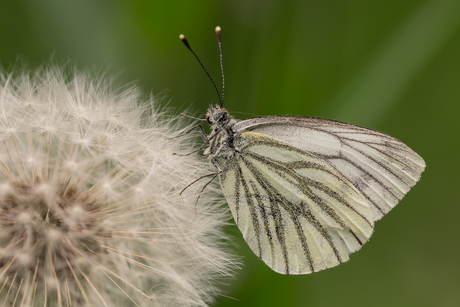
[
  {"x": 204, "y": 187},
  {"x": 189, "y": 153},
  {"x": 192, "y": 117},
  {"x": 214, "y": 175},
  {"x": 202, "y": 133},
  {"x": 214, "y": 162},
  {"x": 216, "y": 165},
  {"x": 206, "y": 142},
  {"x": 198, "y": 179}
]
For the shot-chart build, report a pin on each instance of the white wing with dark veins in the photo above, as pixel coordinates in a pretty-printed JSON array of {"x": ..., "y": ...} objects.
[
  {"x": 380, "y": 166},
  {"x": 295, "y": 211}
]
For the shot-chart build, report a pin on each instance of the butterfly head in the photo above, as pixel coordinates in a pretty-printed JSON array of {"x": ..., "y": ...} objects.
[{"x": 217, "y": 115}]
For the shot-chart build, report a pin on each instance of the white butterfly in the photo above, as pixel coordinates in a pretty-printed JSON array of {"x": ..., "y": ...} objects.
[{"x": 305, "y": 191}]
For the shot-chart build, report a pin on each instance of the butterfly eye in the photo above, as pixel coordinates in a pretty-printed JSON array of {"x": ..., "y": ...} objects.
[{"x": 208, "y": 119}]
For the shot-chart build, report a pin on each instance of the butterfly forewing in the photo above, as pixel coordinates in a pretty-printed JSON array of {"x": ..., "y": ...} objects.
[
  {"x": 296, "y": 212},
  {"x": 380, "y": 166}
]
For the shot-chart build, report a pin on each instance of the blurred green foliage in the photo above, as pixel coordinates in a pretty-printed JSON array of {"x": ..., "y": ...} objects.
[{"x": 390, "y": 65}]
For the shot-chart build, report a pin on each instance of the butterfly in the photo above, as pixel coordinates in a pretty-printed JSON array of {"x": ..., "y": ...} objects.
[{"x": 306, "y": 191}]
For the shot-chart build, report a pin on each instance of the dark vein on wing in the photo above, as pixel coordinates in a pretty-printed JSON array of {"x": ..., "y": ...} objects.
[
  {"x": 403, "y": 160},
  {"x": 356, "y": 237},
  {"x": 370, "y": 186},
  {"x": 238, "y": 178},
  {"x": 253, "y": 213},
  {"x": 303, "y": 240},
  {"x": 361, "y": 169},
  {"x": 320, "y": 228},
  {"x": 379, "y": 163},
  {"x": 265, "y": 219}
]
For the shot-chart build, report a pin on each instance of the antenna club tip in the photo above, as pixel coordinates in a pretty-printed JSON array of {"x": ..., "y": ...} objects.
[
  {"x": 181, "y": 37},
  {"x": 218, "y": 29}
]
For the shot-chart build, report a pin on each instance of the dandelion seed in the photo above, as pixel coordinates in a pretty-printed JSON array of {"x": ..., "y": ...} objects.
[{"x": 90, "y": 212}]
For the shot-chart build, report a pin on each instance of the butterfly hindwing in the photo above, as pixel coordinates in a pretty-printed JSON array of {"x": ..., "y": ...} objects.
[
  {"x": 296, "y": 212},
  {"x": 379, "y": 165}
]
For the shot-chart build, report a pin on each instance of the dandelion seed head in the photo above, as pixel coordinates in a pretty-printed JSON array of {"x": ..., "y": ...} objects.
[{"x": 90, "y": 211}]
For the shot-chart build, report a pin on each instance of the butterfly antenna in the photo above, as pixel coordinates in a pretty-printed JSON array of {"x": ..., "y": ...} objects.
[
  {"x": 218, "y": 30},
  {"x": 184, "y": 40}
]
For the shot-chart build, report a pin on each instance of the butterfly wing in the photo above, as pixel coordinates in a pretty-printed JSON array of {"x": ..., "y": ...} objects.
[
  {"x": 380, "y": 166},
  {"x": 295, "y": 211}
]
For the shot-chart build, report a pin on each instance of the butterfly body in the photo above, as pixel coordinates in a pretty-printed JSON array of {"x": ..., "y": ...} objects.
[
  {"x": 306, "y": 191},
  {"x": 221, "y": 138}
]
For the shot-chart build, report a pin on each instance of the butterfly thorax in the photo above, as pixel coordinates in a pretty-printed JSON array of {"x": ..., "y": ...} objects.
[{"x": 221, "y": 137}]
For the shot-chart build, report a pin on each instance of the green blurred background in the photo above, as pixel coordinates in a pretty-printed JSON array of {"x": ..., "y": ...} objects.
[{"x": 390, "y": 65}]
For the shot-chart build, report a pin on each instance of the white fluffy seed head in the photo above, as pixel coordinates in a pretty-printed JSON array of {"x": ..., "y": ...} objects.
[{"x": 90, "y": 211}]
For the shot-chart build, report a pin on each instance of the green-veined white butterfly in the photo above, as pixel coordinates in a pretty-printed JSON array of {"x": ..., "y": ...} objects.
[{"x": 306, "y": 191}]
